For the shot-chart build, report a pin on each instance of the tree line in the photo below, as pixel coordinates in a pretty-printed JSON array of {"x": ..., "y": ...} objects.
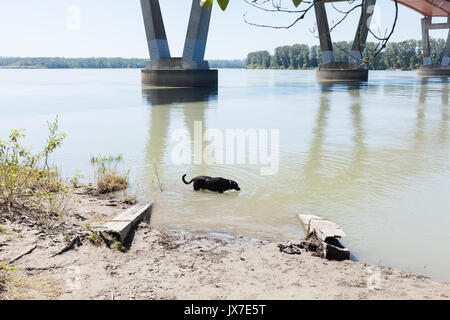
[
  {"x": 397, "y": 55},
  {"x": 95, "y": 63},
  {"x": 72, "y": 63}
]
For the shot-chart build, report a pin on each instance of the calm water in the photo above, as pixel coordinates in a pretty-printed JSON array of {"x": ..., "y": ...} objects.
[{"x": 374, "y": 158}]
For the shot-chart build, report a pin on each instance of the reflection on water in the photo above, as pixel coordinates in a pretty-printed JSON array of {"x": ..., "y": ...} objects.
[
  {"x": 162, "y": 102},
  {"x": 373, "y": 157},
  {"x": 166, "y": 96}
]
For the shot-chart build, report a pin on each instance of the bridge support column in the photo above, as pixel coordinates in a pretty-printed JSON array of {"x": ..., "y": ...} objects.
[
  {"x": 428, "y": 69},
  {"x": 158, "y": 46},
  {"x": 197, "y": 36},
  {"x": 426, "y": 48},
  {"x": 191, "y": 70},
  {"x": 326, "y": 46},
  {"x": 446, "y": 56},
  {"x": 359, "y": 44},
  {"x": 330, "y": 70}
]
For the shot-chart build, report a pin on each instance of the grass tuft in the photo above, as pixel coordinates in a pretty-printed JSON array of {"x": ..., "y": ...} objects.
[
  {"x": 109, "y": 178},
  {"x": 95, "y": 239}
]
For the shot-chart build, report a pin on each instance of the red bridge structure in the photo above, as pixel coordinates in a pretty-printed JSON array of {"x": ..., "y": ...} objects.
[
  {"x": 351, "y": 70},
  {"x": 430, "y": 9}
]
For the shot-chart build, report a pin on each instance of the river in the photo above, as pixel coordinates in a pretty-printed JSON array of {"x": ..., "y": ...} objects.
[{"x": 373, "y": 157}]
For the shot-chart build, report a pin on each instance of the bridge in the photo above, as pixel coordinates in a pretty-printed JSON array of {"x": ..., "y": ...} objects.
[{"x": 191, "y": 70}]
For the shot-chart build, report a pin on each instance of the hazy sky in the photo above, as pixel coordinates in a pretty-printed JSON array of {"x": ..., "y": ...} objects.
[{"x": 111, "y": 28}]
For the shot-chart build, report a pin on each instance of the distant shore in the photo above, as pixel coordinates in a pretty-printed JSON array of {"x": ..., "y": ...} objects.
[{"x": 95, "y": 63}]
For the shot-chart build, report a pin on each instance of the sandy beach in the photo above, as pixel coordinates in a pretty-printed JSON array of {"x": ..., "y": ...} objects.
[{"x": 168, "y": 264}]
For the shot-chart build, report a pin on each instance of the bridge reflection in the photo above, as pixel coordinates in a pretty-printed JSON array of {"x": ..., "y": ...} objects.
[
  {"x": 190, "y": 104},
  {"x": 357, "y": 167}
]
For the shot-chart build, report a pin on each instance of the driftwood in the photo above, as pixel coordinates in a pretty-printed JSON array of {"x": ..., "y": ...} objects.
[
  {"x": 70, "y": 246},
  {"x": 123, "y": 224},
  {"x": 290, "y": 248},
  {"x": 322, "y": 237},
  {"x": 23, "y": 254}
]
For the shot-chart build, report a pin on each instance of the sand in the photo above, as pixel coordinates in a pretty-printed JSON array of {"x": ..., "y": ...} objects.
[{"x": 165, "y": 264}]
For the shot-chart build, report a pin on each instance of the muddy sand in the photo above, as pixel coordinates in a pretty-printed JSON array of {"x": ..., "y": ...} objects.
[{"x": 165, "y": 264}]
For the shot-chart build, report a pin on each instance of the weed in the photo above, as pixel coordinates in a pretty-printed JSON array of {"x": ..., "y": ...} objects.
[
  {"x": 5, "y": 271},
  {"x": 119, "y": 246},
  {"x": 38, "y": 288},
  {"x": 25, "y": 186},
  {"x": 86, "y": 227},
  {"x": 128, "y": 199},
  {"x": 95, "y": 239},
  {"x": 109, "y": 178},
  {"x": 75, "y": 181}
]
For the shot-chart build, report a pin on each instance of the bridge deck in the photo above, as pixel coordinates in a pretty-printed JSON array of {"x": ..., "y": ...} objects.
[{"x": 429, "y": 8}]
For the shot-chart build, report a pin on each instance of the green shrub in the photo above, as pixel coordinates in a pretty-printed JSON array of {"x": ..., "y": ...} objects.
[{"x": 27, "y": 184}]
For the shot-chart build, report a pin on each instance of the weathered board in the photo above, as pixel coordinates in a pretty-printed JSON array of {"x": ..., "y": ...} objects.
[
  {"x": 324, "y": 228},
  {"x": 126, "y": 221},
  {"x": 326, "y": 234}
]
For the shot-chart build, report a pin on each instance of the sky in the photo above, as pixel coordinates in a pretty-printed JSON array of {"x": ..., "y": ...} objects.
[{"x": 114, "y": 28}]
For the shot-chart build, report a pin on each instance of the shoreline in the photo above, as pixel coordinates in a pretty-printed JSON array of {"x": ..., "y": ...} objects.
[{"x": 174, "y": 264}]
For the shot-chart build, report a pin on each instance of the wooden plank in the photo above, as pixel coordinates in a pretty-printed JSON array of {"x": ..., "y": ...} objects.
[
  {"x": 324, "y": 228},
  {"x": 126, "y": 221},
  {"x": 326, "y": 234}
]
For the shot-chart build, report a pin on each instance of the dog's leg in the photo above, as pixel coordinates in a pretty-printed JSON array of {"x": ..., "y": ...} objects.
[{"x": 197, "y": 185}]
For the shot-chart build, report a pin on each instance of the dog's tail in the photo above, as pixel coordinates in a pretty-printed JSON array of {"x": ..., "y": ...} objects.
[{"x": 185, "y": 180}]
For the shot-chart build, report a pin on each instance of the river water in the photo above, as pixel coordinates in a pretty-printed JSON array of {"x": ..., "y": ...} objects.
[{"x": 372, "y": 157}]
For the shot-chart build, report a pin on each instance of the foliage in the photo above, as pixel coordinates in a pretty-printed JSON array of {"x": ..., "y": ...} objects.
[
  {"x": 5, "y": 270},
  {"x": 27, "y": 185},
  {"x": 406, "y": 55},
  {"x": 109, "y": 178},
  {"x": 230, "y": 64},
  {"x": 54, "y": 140},
  {"x": 96, "y": 63},
  {"x": 76, "y": 179},
  {"x": 129, "y": 199},
  {"x": 103, "y": 159},
  {"x": 72, "y": 63},
  {"x": 95, "y": 239}
]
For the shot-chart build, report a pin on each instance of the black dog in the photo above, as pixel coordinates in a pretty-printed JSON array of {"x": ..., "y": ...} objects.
[{"x": 213, "y": 184}]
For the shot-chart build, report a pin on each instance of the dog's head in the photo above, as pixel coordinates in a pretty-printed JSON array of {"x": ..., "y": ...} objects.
[{"x": 234, "y": 185}]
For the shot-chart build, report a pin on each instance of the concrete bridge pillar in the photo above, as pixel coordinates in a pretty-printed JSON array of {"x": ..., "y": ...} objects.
[
  {"x": 446, "y": 56},
  {"x": 426, "y": 49},
  {"x": 158, "y": 46},
  {"x": 330, "y": 70},
  {"x": 197, "y": 33},
  {"x": 359, "y": 43},
  {"x": 326, "y": 46},
  {"x": 428, "y": 69},
  {"x": 191, "y": 70}
]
